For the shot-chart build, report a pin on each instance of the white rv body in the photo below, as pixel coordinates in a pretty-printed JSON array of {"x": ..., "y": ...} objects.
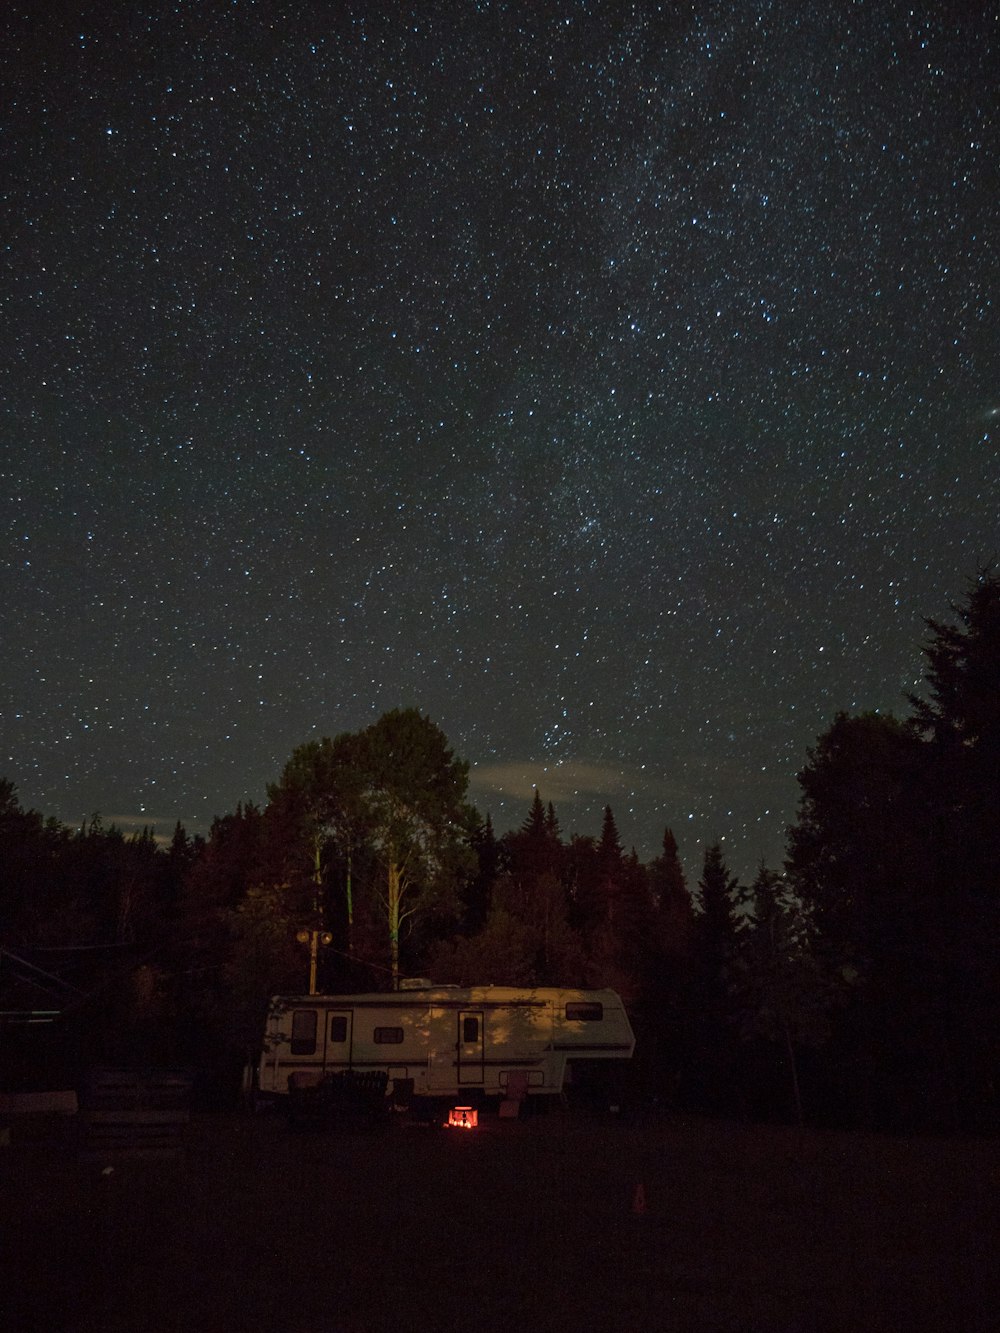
[{"x": 451, "y": 1041}]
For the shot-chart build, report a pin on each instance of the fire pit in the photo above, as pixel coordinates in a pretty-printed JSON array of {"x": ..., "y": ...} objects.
[{"x": 463, "y": 1117}]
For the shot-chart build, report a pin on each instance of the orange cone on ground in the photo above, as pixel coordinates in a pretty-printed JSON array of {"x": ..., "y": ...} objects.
[{"x": 639, "y": 1201}]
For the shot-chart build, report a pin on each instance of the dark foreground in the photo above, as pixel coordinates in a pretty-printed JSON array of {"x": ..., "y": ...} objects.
[{"x": 520, "y": 1225}]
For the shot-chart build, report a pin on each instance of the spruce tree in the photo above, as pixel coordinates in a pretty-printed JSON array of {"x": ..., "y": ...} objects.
[
  {"x": 611, "y": 867},
  {"x": 478, "y": 895},
  {"x": 712, "y": 1071},
  {"x": 715, "y": 927},
  {"x": 609, "y": 845},
  {"x": 782, "y": 995},
  {"x": 535, "y": 849},
  {"x": 534, "y": 821},
  {"x": 674, "y": 907}
]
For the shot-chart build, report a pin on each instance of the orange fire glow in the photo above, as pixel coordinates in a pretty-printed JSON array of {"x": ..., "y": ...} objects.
[{"x": 463, "y": 1117}]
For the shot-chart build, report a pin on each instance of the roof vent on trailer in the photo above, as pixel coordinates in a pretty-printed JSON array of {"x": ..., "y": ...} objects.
[{"x": 415, "y": 983}]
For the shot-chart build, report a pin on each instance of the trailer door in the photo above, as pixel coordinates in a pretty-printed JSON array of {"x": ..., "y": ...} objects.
[
  {"x": 338, "y": 1037},
  {"x": 470, "y": 1046}
]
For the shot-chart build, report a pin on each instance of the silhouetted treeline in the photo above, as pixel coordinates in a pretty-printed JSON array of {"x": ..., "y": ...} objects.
[{"x": 857, "y": 986}]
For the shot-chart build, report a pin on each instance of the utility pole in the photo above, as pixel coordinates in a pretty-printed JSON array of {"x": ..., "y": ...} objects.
[{"x": 314, "y": 938}]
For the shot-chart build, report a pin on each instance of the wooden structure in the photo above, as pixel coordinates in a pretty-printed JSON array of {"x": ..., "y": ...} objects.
[
  {"x": 355, "y": 1097},
  {"x": 129, "y": 1113}
]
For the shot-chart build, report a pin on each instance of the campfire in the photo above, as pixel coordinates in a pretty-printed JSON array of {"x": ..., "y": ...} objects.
[{"x": 463, "y": 1117}]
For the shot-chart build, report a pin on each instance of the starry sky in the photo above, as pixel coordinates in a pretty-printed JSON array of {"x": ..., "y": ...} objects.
[{"x": 617, "y": 383}]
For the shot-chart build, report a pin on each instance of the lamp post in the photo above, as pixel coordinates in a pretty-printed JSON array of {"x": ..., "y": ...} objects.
[{"x": 314, "y": 938}]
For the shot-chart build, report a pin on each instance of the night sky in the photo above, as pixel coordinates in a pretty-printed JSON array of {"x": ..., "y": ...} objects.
[{"x": 617, "y": 383}]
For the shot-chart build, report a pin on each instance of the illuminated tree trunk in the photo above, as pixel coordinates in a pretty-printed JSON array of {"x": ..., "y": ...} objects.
[
  {"x": 318, "y": 922},
  {"x": 317, "y": 879},
  {"x": 350, "y": 902},
  {"x": 395, "y": 898}
]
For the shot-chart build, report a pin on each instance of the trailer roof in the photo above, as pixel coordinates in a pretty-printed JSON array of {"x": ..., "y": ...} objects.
[{"x": 509, "y": 995}]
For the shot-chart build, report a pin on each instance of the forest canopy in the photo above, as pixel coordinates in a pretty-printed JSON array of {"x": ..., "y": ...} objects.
[{"x": 855, "y": 984}]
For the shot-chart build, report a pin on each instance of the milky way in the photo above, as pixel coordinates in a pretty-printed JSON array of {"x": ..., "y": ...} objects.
[{"x": 616, "y": 383}]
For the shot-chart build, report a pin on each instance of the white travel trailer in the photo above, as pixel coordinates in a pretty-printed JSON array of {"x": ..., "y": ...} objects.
[{"x": 450, "y": 1041}]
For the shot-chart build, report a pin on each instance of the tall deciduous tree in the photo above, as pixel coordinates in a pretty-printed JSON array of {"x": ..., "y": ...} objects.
[
  {"x": 412, "y": 799},
  {"x": 318, "y": 802}
]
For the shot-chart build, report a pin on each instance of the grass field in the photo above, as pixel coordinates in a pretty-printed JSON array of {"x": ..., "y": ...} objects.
[{"x": 518, "y": 1225}]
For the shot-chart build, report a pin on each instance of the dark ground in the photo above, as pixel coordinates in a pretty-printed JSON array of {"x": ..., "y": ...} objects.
[{"x": 518, "y": 1225}]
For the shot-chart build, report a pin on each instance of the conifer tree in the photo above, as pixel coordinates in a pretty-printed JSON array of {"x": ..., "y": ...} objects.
[
  {"x": 674, "y": 907},
  {"x": 535, "y": 849},
  {"x": 961, "y": 720},
  {"x": 712, "y": 1068},
  {"x": 634, "y": 925},
  {"x": 552, "y": 823},
  {"x": 958, "y": 805},
  {"x": 478, "y": 896},
  {"x": 716, "y": 924},
  {"x": 782, "y": 996},
  {"x": 856, "y": 852},
  {"x": 857, "y": 861},
  {"x": 609, "y": 846},
  {"x": 583, "y": 882},
  {"x": 668, "y": 1015},
  {"x": 611, "y": 868},
  {"x": 534, "y": 821}
]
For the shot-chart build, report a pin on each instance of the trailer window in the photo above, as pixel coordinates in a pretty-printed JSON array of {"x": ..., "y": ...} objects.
[
  {"x": 580, "y": 1012},
  {"x": 304, "y": 1032},
  {"x": 388, "y": 1036},
  {"x": 338, "y": 1027},
  {"x": 470, "y": 1030}
]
